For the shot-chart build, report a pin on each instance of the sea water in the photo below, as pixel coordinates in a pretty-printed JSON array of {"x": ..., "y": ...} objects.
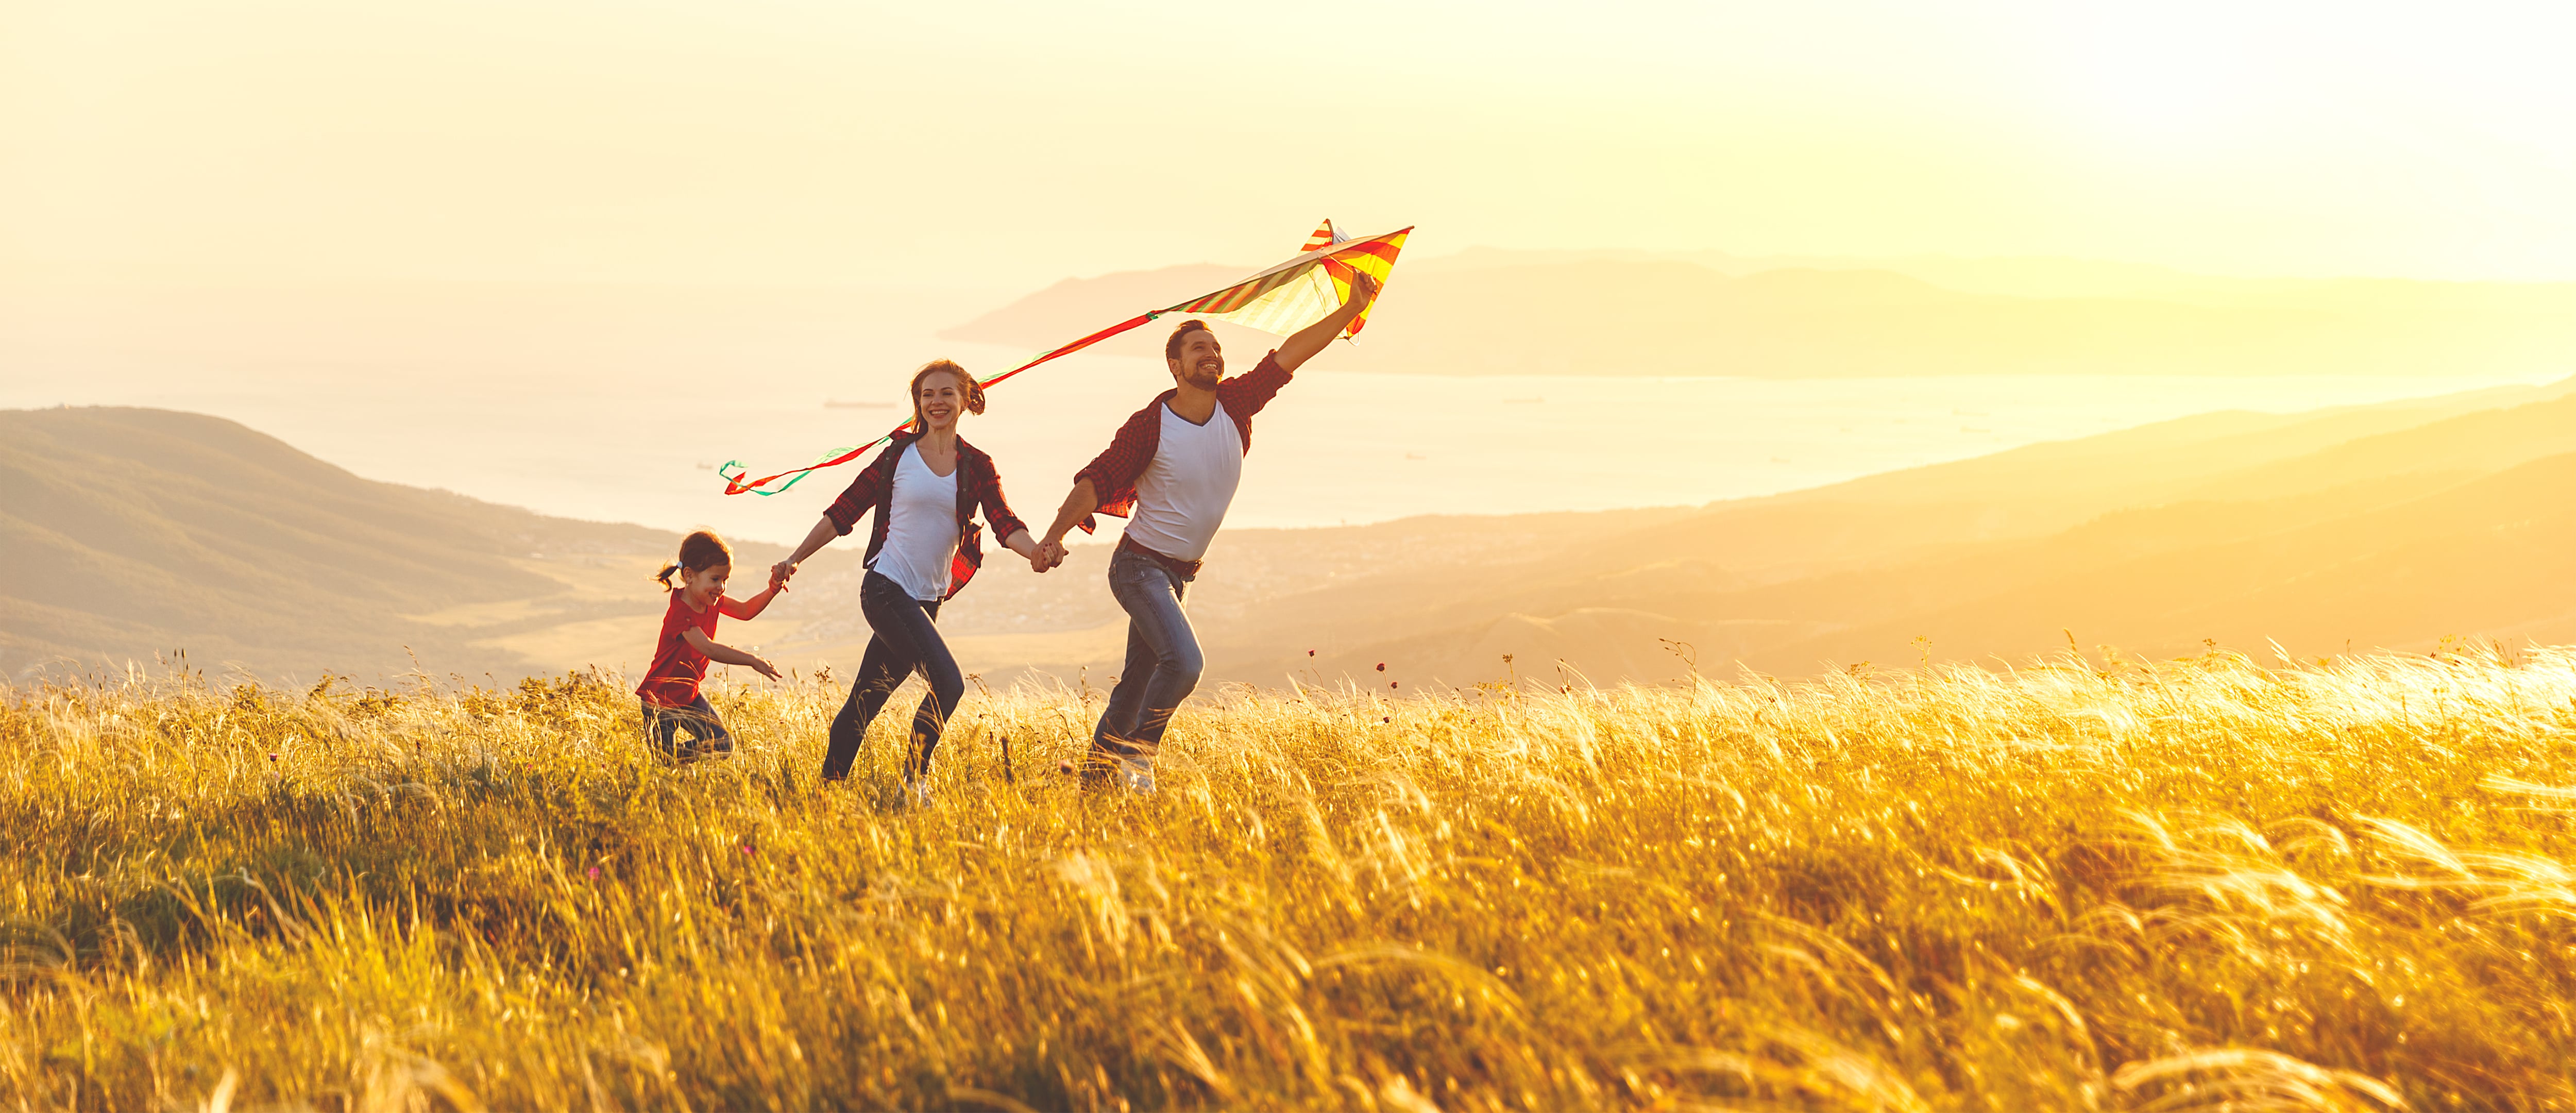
[{"x": 1333, "y": 448}]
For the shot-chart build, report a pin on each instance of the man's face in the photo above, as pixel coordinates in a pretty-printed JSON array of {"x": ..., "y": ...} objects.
[{"x": 1202, "y": 362}]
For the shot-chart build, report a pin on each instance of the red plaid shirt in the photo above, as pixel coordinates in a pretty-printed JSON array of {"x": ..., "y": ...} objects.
[
  {"x": 978, "y": 484},
  {"x": 1114, "y": 472}
]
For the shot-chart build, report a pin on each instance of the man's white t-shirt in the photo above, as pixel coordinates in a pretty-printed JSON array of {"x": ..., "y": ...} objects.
[
  {"x": 921, "y": 528},
  {"x": 1182, "y": 497}
]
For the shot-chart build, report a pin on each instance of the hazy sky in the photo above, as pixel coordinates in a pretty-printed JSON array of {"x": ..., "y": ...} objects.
[{"x": 999, "y": 144}]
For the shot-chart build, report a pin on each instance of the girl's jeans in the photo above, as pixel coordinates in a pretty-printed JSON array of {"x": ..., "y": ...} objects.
[{"x": 707, "y": 736}]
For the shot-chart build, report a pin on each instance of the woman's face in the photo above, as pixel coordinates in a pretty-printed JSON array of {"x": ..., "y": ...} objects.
[{"x": 939, "y": 400}]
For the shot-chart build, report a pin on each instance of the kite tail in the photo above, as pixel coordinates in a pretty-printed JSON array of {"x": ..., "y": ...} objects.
[
  {"x": 734, "y": 484},
  {"x": 1281, "y": 300},
  {"x": 734, "y": 470},
  {"x": 1078, "y": 345}
]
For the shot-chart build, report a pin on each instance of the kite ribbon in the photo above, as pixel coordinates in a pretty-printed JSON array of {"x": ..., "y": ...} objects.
[
  {"x": 734, "y": 484},
  {"x": 1274, "y": 300}
]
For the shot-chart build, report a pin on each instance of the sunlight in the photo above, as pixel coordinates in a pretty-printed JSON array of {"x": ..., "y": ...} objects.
[{"x": 2169, "y": 75}]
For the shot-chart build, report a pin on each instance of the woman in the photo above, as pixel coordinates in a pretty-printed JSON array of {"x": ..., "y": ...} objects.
[{"x": 925, "y": 488}]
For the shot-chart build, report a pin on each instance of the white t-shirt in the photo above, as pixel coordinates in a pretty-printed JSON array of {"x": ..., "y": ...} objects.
[
  {"x": 1181, "y": 498},
  {"x": 921, "y": 528}
]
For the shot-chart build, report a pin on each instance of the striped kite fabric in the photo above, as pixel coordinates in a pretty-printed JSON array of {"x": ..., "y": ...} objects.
[
  {"x": 1280, "y": 300},
  {"x": 1324, "y": 236}
]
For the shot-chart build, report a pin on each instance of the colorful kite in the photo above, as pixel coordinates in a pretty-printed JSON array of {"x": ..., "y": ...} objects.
[{"x": 1279, "y": 300}]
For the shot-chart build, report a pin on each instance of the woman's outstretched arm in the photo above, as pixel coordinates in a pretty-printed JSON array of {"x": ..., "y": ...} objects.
[{"x": 822, "y": 534}]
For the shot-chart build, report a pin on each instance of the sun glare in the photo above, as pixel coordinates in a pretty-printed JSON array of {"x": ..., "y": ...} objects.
[{"x": 2167, "y": 75}]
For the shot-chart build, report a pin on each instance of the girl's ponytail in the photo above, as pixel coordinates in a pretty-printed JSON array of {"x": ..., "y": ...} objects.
[{"x": 700, "y": 550}]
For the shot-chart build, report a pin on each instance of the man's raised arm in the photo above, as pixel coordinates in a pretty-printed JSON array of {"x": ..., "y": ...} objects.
[{"x": 1312, "y": 338}]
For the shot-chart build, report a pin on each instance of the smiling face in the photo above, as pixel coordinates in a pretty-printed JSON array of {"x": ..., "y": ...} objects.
[
  {"x": 1201, "y": 362},
  {"x": 937, "y": 401},
  {"x": 705, "y": 585}
]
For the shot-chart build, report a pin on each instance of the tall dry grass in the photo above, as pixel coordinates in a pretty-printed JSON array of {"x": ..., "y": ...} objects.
[{"x": 2199, "y": 885}]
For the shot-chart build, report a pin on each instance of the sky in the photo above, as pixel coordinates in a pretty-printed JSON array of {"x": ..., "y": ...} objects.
[{"x": 1001, "y": 145}]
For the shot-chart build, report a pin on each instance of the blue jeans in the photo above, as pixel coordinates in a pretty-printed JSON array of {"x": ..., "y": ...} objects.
[
  {"x": 707, "y": 736},
  {"x": 1163, "y": 659},
  {"x": 905, "y": 643}
]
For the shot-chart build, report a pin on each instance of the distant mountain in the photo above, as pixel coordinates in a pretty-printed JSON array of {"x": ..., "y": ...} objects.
[
  {"x": 1076, "y": 307},
  {"x": 2377, "y": 527},
  {"x": 135, "y": 533},
  {"x": 1574, "y": 313}
]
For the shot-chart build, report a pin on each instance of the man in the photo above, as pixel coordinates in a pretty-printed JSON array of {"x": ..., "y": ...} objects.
[{"x": 1175, "y": 465}]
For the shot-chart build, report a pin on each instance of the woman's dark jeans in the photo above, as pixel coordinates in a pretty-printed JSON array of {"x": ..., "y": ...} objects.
[
  {"x": 905, "y": 643},
  {"x": 1163, "y": 661}
]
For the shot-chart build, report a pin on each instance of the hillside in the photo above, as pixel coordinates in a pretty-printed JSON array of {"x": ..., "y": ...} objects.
[
  {"x": 2114, "y": 535},
  {"x": 136, "y": 533},
  {"x": 2393, "y": 526},
  {"x": 1596, "y": 314}
]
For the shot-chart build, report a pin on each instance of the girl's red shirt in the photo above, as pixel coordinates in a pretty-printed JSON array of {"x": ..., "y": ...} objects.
[{"x": 678, "y": 666}]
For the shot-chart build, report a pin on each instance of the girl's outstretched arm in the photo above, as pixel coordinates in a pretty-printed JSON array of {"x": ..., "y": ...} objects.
[
  {"x": 731, "y": 607},
  {"x": 718, "y": 651}
]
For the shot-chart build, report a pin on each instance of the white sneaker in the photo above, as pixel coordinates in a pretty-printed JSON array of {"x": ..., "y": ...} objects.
[
  {"x": 1137, "y": 774},
  {"x": 920, "y": 793}
]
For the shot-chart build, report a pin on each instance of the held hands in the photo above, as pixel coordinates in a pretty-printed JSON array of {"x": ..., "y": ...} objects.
[
  {"x": 1046, "y": 555},
  {"x": 778, "y": 574}
]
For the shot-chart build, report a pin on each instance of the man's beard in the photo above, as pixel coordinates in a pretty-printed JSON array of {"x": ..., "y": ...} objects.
[{"x": 1204, "y": 378}]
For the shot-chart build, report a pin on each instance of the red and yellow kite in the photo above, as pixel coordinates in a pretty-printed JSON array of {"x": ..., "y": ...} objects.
[{"x": 1279, "y": 300}]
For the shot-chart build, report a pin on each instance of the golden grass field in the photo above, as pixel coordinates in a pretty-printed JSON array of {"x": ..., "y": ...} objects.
[{"x": 2197, "y": 884}]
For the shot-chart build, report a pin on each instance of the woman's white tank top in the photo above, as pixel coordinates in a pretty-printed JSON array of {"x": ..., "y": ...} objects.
[{"x": 921, "y": 528}]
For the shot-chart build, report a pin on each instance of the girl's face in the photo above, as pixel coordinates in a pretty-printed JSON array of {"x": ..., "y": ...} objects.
[
  {"x": 705, "y": 585},
  {"x": 940, "y": 400}
]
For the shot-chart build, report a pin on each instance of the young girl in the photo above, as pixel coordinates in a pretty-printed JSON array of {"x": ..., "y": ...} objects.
[
  {"x": 680, "y": 654},
  {"x": 924, "y": 488}
]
